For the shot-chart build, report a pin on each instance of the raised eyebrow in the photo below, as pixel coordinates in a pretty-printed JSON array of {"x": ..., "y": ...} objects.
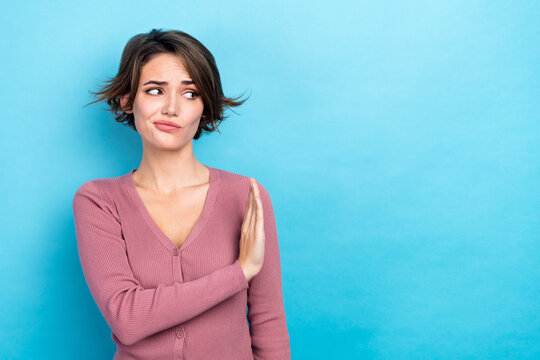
[{"x": 160, "y": 83}]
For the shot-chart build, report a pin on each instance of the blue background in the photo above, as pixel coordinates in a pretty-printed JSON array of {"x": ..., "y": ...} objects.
[{"x": 399, "y": 142}]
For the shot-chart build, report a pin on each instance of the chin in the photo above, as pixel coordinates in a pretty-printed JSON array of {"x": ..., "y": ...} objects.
[{"x": 172, "y": 145}]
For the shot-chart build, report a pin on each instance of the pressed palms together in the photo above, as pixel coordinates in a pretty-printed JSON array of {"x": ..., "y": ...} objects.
[{"x": 251, "y": 255}]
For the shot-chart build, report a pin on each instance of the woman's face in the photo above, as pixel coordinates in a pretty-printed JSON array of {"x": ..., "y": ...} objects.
[{"x": 166, "y": 94}]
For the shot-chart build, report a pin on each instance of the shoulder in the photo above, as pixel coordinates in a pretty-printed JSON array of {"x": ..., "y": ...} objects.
[
  {"x": 99, "y": 189},
  {"x": 238, "y": 185},
  {"x": 236, "y": 181}
]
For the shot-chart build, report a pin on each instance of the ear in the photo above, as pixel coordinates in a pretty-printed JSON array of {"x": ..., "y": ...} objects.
[{"x": 123, "y": 102}]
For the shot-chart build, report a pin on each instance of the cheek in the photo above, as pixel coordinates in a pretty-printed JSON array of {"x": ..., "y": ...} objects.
[
  {"x": 143, "y": 112},
  {"x": 198, "y": 109},
  {"x": 147, "y": 108}
]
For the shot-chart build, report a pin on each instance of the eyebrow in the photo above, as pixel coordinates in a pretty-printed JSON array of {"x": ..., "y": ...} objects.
[{"x": 184, "y": 82}]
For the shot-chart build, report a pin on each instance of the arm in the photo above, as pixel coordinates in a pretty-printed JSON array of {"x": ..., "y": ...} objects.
[
  {"x": 266, "y": 312},
  {"x": 134, "y": 312}
]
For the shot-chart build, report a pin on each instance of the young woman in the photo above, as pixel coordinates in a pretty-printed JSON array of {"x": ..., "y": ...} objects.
[{"x": 174, "y": 251}]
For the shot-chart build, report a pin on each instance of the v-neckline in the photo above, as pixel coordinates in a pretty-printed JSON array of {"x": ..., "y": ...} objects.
[{"x": 208, "y": 206}]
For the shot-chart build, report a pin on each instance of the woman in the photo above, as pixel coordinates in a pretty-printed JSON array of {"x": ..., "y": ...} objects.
[{"x": 174, "y": 250}]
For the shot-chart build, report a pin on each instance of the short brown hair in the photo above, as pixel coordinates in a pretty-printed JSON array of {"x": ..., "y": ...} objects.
[{"x": 195, "y": 57}]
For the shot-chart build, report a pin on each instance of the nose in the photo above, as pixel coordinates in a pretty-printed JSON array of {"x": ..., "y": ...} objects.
[{"x": 172, "y": 104}]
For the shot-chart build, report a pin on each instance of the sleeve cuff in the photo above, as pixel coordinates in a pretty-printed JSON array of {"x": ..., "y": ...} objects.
[{"x": 240, "y": 277}]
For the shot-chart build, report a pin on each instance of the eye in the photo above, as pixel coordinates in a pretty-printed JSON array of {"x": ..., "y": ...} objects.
[
  {"x": 152, "y": 89},
  {"x": 193, "y": 96}
]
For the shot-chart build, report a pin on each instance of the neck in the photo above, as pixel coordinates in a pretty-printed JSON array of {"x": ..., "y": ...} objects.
[{"x": 168, "y": 171}]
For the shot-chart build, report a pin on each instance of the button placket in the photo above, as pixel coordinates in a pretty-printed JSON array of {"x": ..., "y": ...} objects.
[
  {"x": 177, "y": 265},
  {"x": 178, "y": 276},
  {"x": 179, "y": 344}
]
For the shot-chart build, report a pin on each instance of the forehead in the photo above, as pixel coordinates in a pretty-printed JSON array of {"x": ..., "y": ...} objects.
[{"x": 164, "y": 67}]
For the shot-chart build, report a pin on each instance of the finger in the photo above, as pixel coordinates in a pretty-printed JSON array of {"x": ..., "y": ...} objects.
[
  {"x": 256, "y": 207},
  {"x": 253, "y": 208},
  {"x": 260, "y": 211},
  {"x": 247, "y": 214},
  {"x": 248, "y": 199}
]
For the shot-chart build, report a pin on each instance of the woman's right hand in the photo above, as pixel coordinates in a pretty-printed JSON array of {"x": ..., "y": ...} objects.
[{"x": 252, "y": 239}]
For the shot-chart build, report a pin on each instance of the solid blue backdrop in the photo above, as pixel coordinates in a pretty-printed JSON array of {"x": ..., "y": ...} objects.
[{"x": 399, "y": 142}]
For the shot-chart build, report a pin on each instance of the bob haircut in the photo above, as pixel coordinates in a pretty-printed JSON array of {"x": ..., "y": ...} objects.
[{"x": 196, "y": 58}]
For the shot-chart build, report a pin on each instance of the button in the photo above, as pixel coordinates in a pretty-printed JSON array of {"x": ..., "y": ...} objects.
[
  {"x": 175, "y": 251},
  {"x": 179, "y": 334}
]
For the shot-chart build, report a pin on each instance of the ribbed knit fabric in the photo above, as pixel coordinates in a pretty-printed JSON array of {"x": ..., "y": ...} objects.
[{"x": 165, "y": 302}]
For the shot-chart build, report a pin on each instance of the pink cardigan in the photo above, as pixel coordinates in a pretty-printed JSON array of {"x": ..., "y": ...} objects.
[{"x": 165, "y": 302}]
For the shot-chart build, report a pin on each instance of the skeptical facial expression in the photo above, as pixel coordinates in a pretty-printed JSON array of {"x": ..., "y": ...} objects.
[{"x": 166, "y": 95}]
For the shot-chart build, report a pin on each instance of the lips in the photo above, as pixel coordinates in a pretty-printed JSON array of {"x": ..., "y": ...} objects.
[
  {"x": 168, "y": 123},
  {"x": 167, "y": 126}
]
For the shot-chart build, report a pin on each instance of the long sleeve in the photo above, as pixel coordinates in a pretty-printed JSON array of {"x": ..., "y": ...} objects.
[
  {"x": 134, "y": 312},
  {"x": 266, "y": 312}
]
